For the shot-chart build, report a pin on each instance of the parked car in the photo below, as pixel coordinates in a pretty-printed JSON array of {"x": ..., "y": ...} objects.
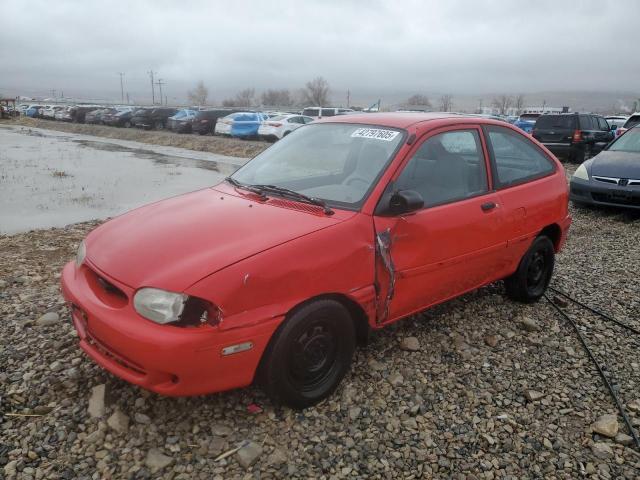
[
  {"x": 33, "y": 110},
  {"x": 277, "y": 127},
  {"x": 205, "y": 120},
  {"x": 97, "y": 116},
  {"x": 64, "y": 115},
  {"x": 613, "y": 176},
  {"x": 110, "y": 117},
  {"x": 577, "y": 136},
  {"x": 631, "y": 122},
  {"x": 616, "y": 121},
  {"x": 50, "y": 111},
  {"x": 121, "y": 117},
  {"x": 526, "y": 121},
  {"x": 79, "y": 112},
  {"x": 149, "y": 118},
  {"x": 223, "y": 125},
  {"x": 317, "y": 112},
  {"x": 348, "y": 225},
  {"x": 181, "y": 121},
  {"x": 246, "y": 124}
]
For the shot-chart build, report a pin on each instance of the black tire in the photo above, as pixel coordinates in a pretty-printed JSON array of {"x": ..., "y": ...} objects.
[
  {"x": 532, "y": 278},
  {"x": 309, "y": 354},
  {"x": 158, "y": 125}
]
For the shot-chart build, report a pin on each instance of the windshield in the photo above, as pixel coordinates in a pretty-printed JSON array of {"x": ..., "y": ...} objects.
[
  {"x": 628, "y": 142},
  {"x": 336, "y": 162}
]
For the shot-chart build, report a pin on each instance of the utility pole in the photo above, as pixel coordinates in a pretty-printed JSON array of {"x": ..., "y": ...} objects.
[
  {"x": 121, "y": 87},
  {"x": 127, "y": 98},
  {"x": 348, "y": 98},
  {"x": 160, "y": 82},
  {"x": 153, "y": 92}
]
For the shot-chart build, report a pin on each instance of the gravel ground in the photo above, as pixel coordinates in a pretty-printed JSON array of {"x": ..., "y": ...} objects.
[
  {"x": 205, "y": 143},
  {"x": 477, "y": 388}
]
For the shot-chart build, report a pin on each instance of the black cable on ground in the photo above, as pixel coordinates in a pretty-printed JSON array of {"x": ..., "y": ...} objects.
[
  {"x": 600, "y": 370},
  {"x": 593, "y": 310}
]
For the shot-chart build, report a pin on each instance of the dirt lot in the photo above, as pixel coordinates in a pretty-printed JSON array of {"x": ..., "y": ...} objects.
[
  {"x": 205, "y": 143},
  {"x": 495, "y": 390}
]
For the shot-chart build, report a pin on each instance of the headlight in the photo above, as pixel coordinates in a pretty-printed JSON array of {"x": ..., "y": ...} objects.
[
  {"x": 159, "y": 306},
  {"x": 81, "y": 253},
  {"x": 581, "y": 172}
]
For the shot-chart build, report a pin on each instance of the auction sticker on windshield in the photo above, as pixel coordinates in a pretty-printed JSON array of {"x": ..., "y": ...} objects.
[{"x": 376, "y": 133}]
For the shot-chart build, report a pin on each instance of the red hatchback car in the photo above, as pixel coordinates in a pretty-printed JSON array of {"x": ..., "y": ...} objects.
[{"x": 346, "y": 225}]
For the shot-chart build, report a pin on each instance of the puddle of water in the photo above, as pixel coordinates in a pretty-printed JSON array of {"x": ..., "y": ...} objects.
[{"x": 54, "y": 180}]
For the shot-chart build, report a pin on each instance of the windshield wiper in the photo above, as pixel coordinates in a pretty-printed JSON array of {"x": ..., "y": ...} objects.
[
  {"x": 295, "y": 195},
  {"x": 249, "y": 188}
]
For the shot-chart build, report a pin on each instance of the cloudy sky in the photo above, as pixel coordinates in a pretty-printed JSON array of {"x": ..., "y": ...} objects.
[{"x": 373, "y": 48}]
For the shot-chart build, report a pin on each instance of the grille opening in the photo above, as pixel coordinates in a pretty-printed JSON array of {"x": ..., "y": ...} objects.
[{"x": 110, "y": 288}]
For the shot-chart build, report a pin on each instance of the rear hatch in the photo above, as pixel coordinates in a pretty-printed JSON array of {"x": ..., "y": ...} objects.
[{"x": 555, "y": 128}]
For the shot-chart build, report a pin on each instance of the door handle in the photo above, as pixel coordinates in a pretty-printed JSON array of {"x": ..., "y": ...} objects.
[{"x": 488, "y": 206}]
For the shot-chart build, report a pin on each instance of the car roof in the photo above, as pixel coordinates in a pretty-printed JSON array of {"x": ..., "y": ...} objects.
[{"x": 406, "y": 119}]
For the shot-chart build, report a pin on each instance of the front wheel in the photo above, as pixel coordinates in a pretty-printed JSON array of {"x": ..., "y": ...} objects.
[
  {"x": 159, "y": 125},
  {"x": 309, "y": 354},
  {"x": 532, "y": 278}
]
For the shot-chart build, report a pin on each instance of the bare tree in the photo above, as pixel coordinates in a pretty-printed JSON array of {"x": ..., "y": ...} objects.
[
  {"x": 229, "y": 102},
  {"x": 502, "y": 103},
  {"x": 418, "y": 100},
  {"x": 245, "y": 97},
  {"x": 518, "y": 103},
  {"x": 316, "y": 92},
  {"x": 446, "y": 103},
  {"x": 198, "y": 96},
  {"x": 280, "y": 98}
]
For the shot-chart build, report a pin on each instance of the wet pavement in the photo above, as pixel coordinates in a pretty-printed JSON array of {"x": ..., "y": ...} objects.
[{"x": 52, "y": 179}]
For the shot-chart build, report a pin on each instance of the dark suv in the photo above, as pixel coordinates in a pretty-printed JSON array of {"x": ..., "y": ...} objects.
[
  {"x": 152, "y": 117},
  {"x": 205, "y": 120},
  {"x": 575, "y": 135}
]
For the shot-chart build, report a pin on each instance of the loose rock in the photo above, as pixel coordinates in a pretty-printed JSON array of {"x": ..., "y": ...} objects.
[
  {"x": 118, "y": 421},
  {"x": 49, "y": 318},
  {"x": 410, "y": 344},
  {"x": 606, "y": 425},
  {"x": 529, "y": 324},
  {"x": 156, "y": 460},
  {"x": 249, "y": 454},
  {"x": 533, "y": 395},
  {"x": 96, "y": 403},
  {"x": 602, "y": 450}
]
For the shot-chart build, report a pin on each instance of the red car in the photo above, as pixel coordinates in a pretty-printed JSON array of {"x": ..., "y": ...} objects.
[{"x": 346, "y": 225}]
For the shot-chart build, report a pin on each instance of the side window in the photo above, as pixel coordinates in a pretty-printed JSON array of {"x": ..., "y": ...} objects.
[
  {"x": 516, "y": 158},
  {"x": 328, "y": 112},
  {"x": 447, "y": 167},
  {"x": 603, "y": 124},
  {"x": 586, "y": 123},
  {"x": 308, "y": 119},
  {"x": 295, "y": 120}
]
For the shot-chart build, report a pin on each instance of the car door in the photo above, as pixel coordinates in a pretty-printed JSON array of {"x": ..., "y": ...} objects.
[
  {"x": 522, "y": 177},
  {"x": 453, "y": 243}
]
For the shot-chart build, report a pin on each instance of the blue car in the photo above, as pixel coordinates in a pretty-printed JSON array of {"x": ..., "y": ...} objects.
[
  {"x": 32, "y": 111},
  {"x": 526, "y": 122},
  {"x": 246, "y": 124}
]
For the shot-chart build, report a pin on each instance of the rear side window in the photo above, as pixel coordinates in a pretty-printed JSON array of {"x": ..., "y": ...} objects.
[
  {"x": 603, "y": 124},
  {"x": 556, "y": 121},
  {"x": 312, "y": 112},
  {"x": 587, "y": 123},
  {"x": 515, "y": 157},
  {"x": 447, "y": 167},
  {"x": 328, "y": 112}
]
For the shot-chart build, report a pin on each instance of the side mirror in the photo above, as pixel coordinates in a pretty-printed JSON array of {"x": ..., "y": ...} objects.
[{"x": 405, "y": 201}]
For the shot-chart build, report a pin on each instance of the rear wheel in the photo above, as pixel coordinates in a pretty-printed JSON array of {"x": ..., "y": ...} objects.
[
  {"x": 532, "y": 278},
  {"x": 159, "y": 125},
  {"x": 309, "y": 354}
]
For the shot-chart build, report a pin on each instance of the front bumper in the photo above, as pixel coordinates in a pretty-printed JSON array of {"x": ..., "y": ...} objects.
[
  {"x": 165, "y": 359},
  {"x": 592, "y": 192}
]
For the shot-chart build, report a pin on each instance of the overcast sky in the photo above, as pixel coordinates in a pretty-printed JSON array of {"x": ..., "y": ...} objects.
[{"x": 374, "y": 48}]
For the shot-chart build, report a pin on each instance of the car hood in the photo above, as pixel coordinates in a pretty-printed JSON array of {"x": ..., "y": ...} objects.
[
  {"x": 616, "y": 164},
  {"x": 174, "y": 243}
]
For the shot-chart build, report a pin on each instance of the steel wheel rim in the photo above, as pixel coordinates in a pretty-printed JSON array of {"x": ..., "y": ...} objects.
[{"x": 313, "y": 355}]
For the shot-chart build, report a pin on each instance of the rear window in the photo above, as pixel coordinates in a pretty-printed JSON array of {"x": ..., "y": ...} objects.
[
  {"x": 246, "y": 117},
  {"x": 529, "y": 117},
  {"x": 633, "y": 121},
  {"x": 556, "y": 121},
  {"x": 587, "y": 122},
  {"x": 328, "y": 112}
]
